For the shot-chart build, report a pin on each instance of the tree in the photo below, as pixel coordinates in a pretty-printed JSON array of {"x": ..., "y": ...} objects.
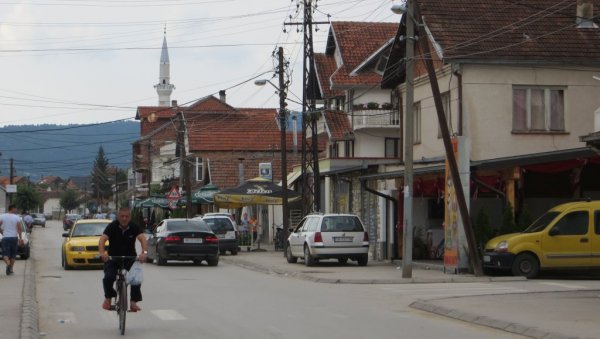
[
  {"x": 69, "y": 200},
  {"x": 101, "y": 184},
  {"x": 27, "y": 198},
  {"x": 525, "y": 219},
  {"x": 483, "y": 231}
]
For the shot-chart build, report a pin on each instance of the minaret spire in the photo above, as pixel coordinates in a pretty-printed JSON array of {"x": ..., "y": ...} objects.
[{"x": 164, "y": 88}]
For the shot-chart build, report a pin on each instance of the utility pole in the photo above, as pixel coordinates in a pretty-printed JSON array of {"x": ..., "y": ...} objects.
[
  {"x": 184, "y": 178},
  {"x": 460, "y": 195},
  {"x": 10, "y": 180},
  {"x": 283, "y": 127},
  {"x": 310, "y": 151},
  {"x": 149, "y": 166},
  {"x": 116, "y": 189},
  {"x": 407, "y": 230}
]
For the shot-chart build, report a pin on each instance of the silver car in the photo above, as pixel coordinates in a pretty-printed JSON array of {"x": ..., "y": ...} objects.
[{"x": 329, "y": 236}]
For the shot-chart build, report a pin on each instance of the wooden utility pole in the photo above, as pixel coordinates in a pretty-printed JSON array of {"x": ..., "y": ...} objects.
[
  {"x": 460, "y": 195},
  {"x": 283, "y": 126},
  {"x": 184, "y": 178}
]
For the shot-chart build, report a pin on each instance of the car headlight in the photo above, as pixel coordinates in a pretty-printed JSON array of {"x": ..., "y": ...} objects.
[
  {"x": 77, "y": 248},
  {"x": 502, "y": 246}
]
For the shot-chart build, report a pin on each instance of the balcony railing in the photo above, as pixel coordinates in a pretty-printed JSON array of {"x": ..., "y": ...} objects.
[{"x": 376, "y": 118}]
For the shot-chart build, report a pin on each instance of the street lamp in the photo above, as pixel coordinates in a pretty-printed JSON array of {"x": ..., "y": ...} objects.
[{"x": 282, "y": 123}]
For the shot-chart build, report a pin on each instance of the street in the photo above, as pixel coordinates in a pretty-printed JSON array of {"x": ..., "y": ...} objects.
[{"x": 186, "y": 301}]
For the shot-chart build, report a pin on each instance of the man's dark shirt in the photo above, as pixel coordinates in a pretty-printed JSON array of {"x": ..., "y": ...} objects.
[{"x": 121, "y": 242}]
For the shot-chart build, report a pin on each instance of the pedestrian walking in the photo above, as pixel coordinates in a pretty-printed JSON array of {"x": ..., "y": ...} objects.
[{"x": 11, "y": 228}]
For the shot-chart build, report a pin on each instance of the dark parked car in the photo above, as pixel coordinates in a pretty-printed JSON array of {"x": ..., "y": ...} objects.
[
  {"x": 183, "y": 239},
  {"x": 39, "y": 219},
  {"x": 69, "y": 220},
  {"x": 23, "y": 251}
]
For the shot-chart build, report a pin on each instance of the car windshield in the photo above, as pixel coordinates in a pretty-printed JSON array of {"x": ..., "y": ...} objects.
[
  {"x": 341, "y": 223},
  {"x": 219, "y": 224},
  {"x": 88, "y": 230},
  {"x": 542, "y": 222},
  {"x": 187, "y": 225}
]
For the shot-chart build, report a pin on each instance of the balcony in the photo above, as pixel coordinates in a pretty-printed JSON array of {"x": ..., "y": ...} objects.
[{"x": 375, "y": 118}]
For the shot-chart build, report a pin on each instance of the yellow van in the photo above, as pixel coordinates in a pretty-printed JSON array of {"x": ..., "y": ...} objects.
[{"x": 565, "y": 237}]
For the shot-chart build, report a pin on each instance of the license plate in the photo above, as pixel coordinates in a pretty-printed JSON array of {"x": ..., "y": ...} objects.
[
  {"x": 487, "y": 258},
  {"x": 192, "y": 240},
  {"x": 343, "y": 239}
]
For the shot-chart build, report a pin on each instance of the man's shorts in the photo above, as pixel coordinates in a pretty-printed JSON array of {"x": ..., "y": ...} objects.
[{"x": 9, "y": 247}]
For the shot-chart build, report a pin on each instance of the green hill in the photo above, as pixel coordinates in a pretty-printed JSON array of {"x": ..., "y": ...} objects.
[{"x": 64, "y": 150}]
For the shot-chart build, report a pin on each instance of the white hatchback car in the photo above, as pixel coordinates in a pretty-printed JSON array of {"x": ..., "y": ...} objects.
[{"x": 329, "y": 236}]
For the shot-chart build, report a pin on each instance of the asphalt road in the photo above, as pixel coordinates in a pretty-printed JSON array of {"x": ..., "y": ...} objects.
[{"x": 186, "y": 301}]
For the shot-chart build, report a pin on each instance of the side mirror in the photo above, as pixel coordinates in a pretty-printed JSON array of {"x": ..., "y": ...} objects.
[
  {"x": 554, "y": 231},
  {"x": 65, "y": 235}
]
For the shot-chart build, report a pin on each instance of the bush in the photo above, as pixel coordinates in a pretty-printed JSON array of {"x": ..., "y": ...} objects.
[
  {"x": 524, "y": 220},
  {"x": 483, "y": 231}
]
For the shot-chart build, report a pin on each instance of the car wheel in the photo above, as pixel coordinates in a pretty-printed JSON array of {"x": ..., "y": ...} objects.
[
  {"x": 343, "y": 261},
  {"x": 64, "y": 263},
  {"x": 160, "y": 261},
  {"x": 526, "y": 265},
  {"x": 288, "y": 255},
  {"x": 213, "y": 261},
  {"x": 26, "y": 253},
  {"x": 234, "y": 252},
  {"x": 308, "y": 259},
  {"x": 363, "y": 260},
  {"x": 197, "y": 262}
]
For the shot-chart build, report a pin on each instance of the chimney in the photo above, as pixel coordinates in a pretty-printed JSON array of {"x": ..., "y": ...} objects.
[
  {"x": 222, "y": 96},
  {"x": 585, "y": 13},
  {"x": 173, "y": 103}
]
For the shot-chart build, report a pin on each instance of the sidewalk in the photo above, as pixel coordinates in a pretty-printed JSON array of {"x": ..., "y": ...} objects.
[
  {"x": 18, "y": 306},
  {"x": 567, "y": 314}
]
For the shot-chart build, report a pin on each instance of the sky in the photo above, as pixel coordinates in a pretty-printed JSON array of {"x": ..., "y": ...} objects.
[{"x": 89, "y": 61}]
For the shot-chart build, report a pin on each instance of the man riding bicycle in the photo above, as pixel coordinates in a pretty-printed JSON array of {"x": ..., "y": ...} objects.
[{"x": 121, "y": 235}]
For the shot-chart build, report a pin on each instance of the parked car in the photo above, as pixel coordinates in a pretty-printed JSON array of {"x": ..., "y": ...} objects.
[
  {"x": 225, "y": 230},
  {"x": 80, "y": 246},
  {"x": 329, "y": 236},
  {"x": 565, "y": 237},
  {"x": 69, "y": 220},
  {"x": 39, "y": 219},
  {"x": 183, "y": 239},
  {"x": 24, "y": 250}
]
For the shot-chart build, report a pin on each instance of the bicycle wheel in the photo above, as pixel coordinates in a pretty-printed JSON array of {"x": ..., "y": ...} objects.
[{"x": 122, "y": 305}]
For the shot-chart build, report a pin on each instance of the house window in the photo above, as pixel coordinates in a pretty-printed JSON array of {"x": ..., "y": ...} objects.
[
  {"x": 349, "y": 148},
  {"x": 199, "y": 170},
  {"x": 417, "y": 123},
  {"x": 380, "y": 68},
  {"x": 538, "y": 109},
  {"x": 333, "y": 150},
  {"x": 392, "y": 147},
  {"x": 446, "y": 105},
  {"x": 396, "y": 101}
]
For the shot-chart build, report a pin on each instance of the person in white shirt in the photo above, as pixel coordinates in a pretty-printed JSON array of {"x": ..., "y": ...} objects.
[{"x": 11, "y": 228}]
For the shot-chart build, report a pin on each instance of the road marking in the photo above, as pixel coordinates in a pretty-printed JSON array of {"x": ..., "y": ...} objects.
[
  {"x": 569, "y": 286},
  {"x": 168, "y": 315}
]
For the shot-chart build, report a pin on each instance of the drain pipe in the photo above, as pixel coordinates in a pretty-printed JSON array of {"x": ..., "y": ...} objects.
[{"x": 363, "y": 183}]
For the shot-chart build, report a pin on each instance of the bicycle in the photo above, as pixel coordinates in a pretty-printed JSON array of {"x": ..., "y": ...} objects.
[{"x": 121, "y": 303}]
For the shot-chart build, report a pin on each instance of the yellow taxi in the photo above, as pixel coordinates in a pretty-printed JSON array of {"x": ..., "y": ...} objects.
[
  {"x": 565, "y": 237},
  {"x": 80, "y": 246}
]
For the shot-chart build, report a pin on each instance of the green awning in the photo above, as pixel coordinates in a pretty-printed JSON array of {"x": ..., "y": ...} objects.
[
  {"x": 152, "y": 202},
  {"x": 205, "y": 194}
]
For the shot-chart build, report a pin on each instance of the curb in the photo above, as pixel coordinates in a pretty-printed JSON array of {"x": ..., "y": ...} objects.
[
  {"x": 299, "y": 275},
  {"x": 29, "y": 313},
  {"x": 529, "y": 331}
]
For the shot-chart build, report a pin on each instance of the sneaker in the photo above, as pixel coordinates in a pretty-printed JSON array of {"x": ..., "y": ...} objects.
[
  {"x": 11, "y": 269},
  {"x": 8, "y": 271}
]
